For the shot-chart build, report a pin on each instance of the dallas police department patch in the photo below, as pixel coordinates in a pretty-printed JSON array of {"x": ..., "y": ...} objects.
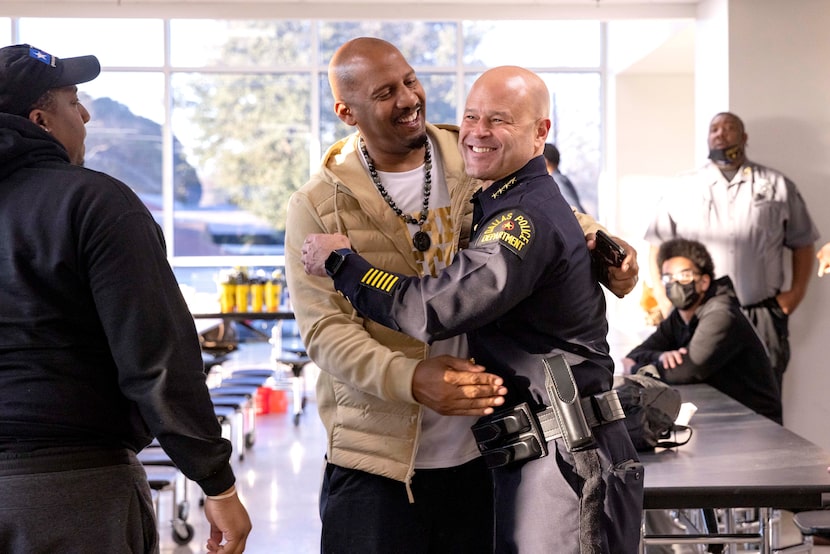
[
  {"x": 512, "y": 229},
  {"x": 379, "y": 280}
]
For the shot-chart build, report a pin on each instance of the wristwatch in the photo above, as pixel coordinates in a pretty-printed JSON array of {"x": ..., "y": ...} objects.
[{"x": 335, "y": 260}]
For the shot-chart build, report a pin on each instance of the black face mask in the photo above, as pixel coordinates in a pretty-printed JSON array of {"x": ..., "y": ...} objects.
[
  {"x": 726, "y": 156},
  {"x": 682, "y": 296}
]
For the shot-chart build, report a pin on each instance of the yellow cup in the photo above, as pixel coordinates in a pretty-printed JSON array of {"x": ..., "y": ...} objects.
[
  {"x": 227, "y": 296},
  {"x": 257, "y": 296},
  {"x": 242, "y": 291},
  {"x": 273, "y": 290}
]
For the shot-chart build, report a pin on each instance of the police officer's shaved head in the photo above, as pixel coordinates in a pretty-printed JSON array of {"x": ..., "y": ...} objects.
[{"x": 506, "y": 122}]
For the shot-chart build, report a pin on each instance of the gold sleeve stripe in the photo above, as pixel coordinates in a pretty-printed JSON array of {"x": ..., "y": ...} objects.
[{"x": 379, "y": 279}]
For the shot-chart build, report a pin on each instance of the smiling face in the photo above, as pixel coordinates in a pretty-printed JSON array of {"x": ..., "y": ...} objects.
[
  {"x": 376, "y": 90},
  {"x": 64, "y": 117},
  {"x": 505, "y": 122}
]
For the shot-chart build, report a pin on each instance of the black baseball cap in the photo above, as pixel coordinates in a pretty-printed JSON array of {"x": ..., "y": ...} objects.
[{"x": 26, "y": 73}]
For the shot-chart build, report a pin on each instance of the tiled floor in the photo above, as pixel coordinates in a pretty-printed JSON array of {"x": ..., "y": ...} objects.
[{"x": 279, "y": 481}]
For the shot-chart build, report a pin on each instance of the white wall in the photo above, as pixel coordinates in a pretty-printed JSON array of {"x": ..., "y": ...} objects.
[
  {"x": 779, "y": 83},
  {"x": 651, "y": 139},
  {"x": 712, "y": 63},
  {"x": 765, "y": 60}
]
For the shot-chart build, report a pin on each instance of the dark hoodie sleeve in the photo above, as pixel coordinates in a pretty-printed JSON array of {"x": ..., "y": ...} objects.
[
  {"x": 649, "y": 351},
  {"x": 152, "y": 335},
  {"x": 711, "y": 347}
]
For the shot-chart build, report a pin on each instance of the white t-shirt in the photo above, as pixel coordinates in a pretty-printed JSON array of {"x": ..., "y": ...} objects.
[{"x": 446, "y": 441}]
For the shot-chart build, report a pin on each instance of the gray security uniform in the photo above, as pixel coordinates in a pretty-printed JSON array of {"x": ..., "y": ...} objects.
[
  {"x": 746, "y": 224},
  {"x": 523, "y": 291}
]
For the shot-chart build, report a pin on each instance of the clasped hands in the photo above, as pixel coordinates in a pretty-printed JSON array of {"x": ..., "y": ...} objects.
[{"x": 454, "y": 386}]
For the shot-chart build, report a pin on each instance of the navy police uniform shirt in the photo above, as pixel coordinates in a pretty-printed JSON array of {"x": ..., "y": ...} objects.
[{"x": 522, "y": 291}]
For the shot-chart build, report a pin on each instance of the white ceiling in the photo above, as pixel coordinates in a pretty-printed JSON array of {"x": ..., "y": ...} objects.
[
  {"x": 378, "y": 9},
  {"x": 578, "y": 3},
  {"x": 662, "y": 54}
]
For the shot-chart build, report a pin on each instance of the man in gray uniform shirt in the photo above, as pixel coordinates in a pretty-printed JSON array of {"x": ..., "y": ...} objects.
[{"x": 747, "y": 215}]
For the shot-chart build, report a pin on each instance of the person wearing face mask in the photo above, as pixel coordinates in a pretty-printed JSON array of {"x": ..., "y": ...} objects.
[
  {"x": 706, "y": 338},
  {"x": 748, "y": 215}
]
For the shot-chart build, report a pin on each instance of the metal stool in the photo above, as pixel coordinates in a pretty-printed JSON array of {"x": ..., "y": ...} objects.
[
  {"x": 249, "y": 392},
  {"x": 295, "y": 361},
  {"x": 263, "y": 374},
  {"x": 164, "y": 476},
  {"x": 813, "y": 522},
  {"x": 244, "y": 403},
  {"x": 244, "y": 381},
  {"x": 232, "y": 417}
]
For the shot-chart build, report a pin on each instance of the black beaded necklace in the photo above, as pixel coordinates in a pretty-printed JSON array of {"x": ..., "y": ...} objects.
[{"x": 420, "y": 240}]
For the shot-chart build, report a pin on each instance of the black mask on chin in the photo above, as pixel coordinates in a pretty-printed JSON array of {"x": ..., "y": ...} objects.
[
  {"x": 682, "y": 296},
  {"x": 726, "y": 156}
]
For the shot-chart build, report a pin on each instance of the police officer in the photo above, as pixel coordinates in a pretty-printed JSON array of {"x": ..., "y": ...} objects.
[{"x": 523, "y": 292}]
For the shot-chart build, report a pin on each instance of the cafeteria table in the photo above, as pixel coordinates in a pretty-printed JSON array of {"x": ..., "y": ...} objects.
[{"x": 736, "y": 458}]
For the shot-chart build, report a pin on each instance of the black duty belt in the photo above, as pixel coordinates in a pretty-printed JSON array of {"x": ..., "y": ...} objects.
[
  {"x": 517, "y": 433},
  {"x": 520, "y": 433},
  {"x": 598, "y": 409}
]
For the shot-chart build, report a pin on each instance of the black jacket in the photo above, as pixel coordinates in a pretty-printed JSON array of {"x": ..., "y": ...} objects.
[
  {"x": 97, "y": 346},
  {"x": 724, "y": 351}
]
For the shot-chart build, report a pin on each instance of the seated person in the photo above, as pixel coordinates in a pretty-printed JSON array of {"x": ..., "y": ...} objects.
[{"x": 706, "y": 338}]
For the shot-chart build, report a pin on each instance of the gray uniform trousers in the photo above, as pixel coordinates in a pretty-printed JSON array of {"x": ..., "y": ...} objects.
[{"x": 538, "y": 503}]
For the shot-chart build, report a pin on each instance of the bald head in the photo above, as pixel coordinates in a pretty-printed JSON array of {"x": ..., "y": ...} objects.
[
  {"x": 351, "y": 63},
  {"x": 506, "y": 122},
  {"x": 528, "y": 89},
  {"x": 731, "y": 118},
  {"x": 376, "y": 90},
  {"x": 727, "y": 141}
]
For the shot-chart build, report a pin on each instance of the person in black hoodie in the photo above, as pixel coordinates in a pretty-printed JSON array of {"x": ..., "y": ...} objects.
[
  {"x": 706, "y": 337},
  {"x": 98, "y": 350}
]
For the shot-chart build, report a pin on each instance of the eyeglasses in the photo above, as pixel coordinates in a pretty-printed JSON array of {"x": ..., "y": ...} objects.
[{"x": 684, "y": 276}]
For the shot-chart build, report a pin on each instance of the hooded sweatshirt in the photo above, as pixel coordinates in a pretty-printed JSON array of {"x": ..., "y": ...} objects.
[
  {"x": 97, "y": 346},
  {"x": 724, "y": 351}
]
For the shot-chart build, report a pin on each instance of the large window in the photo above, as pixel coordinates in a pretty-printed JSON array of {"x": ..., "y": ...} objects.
[{"x": 215, "y": 130}]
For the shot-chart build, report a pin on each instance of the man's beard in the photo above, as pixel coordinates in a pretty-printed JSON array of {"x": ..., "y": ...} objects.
[{"x": 418, "y": 142}]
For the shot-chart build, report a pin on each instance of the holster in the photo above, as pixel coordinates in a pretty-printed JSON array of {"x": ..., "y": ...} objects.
[
  {"x": 565, "y": 401},
  {"x": 519, "y": 433},
  {"x": 510, "y": 435}
]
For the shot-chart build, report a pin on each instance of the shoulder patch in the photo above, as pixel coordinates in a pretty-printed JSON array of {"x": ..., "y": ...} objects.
[
  {"x": 512, "y": 229},
  {"x": 379, "y": 280}
]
